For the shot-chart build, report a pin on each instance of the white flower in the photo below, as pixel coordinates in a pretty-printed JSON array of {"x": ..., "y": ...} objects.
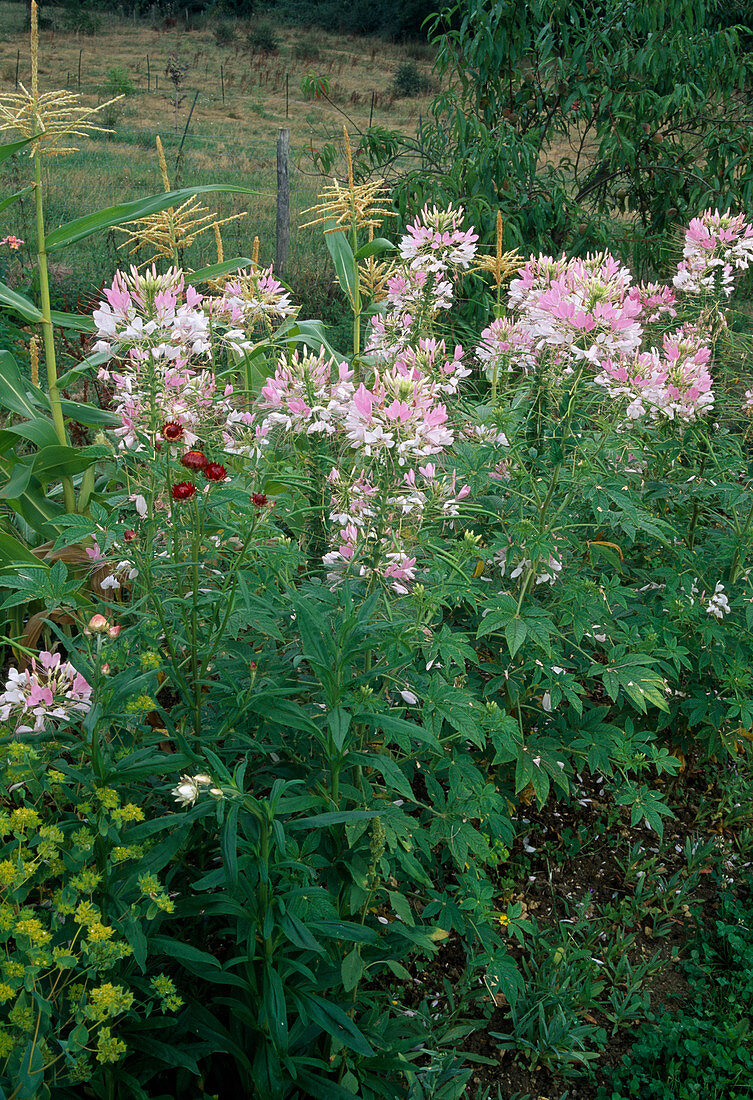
[
  {"x": 187, "y": 791},
  {"x": 718, "y": 605}
]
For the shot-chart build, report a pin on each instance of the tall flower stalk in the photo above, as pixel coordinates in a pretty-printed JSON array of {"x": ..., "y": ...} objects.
[
  {"x": 47, "y": 120},
  {"x": 48, "y": 335}
]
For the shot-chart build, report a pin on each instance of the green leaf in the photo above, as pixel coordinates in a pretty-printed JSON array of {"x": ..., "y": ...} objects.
[
  {"x": 96, "y": 359},
  {"x": 19, "y": 304},
  {"x": 335, "y": 817},
  {"x": 515, "y": 634},
  {"x": 38, "y": 430},
  {"x": 52, "y": 463},
  {"x": 399, "y": 970},
  {"x": 276, "y": 1008},
  {"x": 75, "y": 321},
  {"x": 331, "y": 1018},
  {"x": 198, "y": 962},
  {"x": 79, "y": 1037},
  {"x": 310, "y": 333},
  {"x": 18, "y": 195},
  {"x": 39, "y": 511},
  {"x": 83, "y": 413},
  {"x": 81, "y": 228},
  {"x": 14, "y": 389},
  {"x": 12, "y": 147},
  {"x": 18, "y": 482},
  {"x": 394, "y": 778},
  {"x": 374, "y": 248},
  {"x": 14, "y": 555},
  {"x": 343, "y": 259},
  {"x": 216, "y": 271},
  {"x": 321, "y": 1088},
  {"x": 338, "y": 721},
  {"x": 401, "y": 907},
  {"x": 30, "y": 1073},
  {"x": 351, "y": 969}
]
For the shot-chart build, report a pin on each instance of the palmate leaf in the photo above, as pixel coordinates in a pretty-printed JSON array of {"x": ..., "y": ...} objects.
[{"x": 81, "y": 228}]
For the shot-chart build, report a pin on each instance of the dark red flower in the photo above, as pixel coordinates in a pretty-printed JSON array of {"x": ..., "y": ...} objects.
[
  {"x": 194, "y": 460},
  {"x": 172, "y": 431},
  {"x": 258, "y": 500},
  {"x": 213, "y": 471},
  {"x": 129, "y": 536},
  {"x": 183, "y": 490}
]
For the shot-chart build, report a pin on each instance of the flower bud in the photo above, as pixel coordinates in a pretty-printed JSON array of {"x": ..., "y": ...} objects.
[
  {"x": 105, "y": 669},
  {"x": 98, "y": 624},
  {"x": 114, "y": 631}
]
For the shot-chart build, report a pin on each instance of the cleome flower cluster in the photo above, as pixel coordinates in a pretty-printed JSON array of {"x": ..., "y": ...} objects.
[
  {"x": 50, "y": 691},
  {"x": 393, "y": 417},
  {"x": 567, "y": 315}
]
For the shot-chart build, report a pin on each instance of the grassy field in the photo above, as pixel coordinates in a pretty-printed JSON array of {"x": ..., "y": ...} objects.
[{"x": 230, "y": 140}]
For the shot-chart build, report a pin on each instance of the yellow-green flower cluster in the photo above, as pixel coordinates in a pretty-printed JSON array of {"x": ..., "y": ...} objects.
[
  {"x": 151, "y": 887},
  {"x": 108, "y": 1000},
  {"x": 165, "y": 989}
]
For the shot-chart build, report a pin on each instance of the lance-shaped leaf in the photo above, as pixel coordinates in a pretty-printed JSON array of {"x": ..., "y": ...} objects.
[
  {"x": 12, "y": 147},
  {"x": 14, "y": 389},
  {"x": 81, "y": 228},
  {"x": 4, "y": 203},
  {"x": 38, "y": 511},
  {"x": 374, "y": 248},
  {"x": 216, "y": 271},
  {"x": 14, "y": 555},
  {"x": 19, "y": 304},
  {"x": 53, "y": 463},
  {"x": 72, "y": 320},
  {"x": 343, "y": 259}
]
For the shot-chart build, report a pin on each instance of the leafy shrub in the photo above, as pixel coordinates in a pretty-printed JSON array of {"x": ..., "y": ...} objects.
[
  {"x": 263, "y": 38},
  {"x": 496, "y": 143},
  {"x": 118, "y": 82},
  {"x": 307, "y": 49},
  {"x": 224, "y": 35},
  {"x": 409, "y": 81},
  {"x": 81, "y": 19}
]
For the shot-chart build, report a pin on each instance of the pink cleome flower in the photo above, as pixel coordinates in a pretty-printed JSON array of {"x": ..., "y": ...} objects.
[{"x": 50, "y": 691}]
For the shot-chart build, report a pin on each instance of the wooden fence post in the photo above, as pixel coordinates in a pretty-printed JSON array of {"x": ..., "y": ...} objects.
[{"x": 283, "y": 202}]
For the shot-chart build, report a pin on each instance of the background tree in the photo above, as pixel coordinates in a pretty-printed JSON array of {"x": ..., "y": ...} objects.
[{"x": 585, "y": 124}]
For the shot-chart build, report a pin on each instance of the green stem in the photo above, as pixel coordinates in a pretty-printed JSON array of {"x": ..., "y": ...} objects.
[
  {"x": 48, "y": 338},
  {"x": 356, "y": 294},
  {"x": 264, "y": 891},
  {"x": 196, "y": 547}
]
